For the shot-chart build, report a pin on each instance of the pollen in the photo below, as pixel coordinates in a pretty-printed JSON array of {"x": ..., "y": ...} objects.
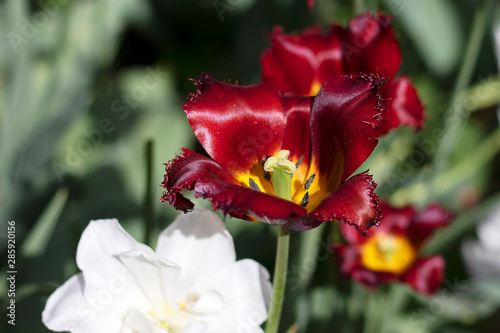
[
  {"x": 280, "y": 162},
  {"x": 388, "y": 253}
]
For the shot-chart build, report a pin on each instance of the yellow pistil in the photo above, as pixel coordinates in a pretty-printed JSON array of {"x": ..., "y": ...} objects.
[{"x": 388, "y": 253}]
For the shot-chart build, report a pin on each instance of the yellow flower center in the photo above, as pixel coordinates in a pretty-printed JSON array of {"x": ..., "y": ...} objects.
[
  {"x": 288, "y": 179},
  {"x": 388, "y": 253},
  {"x": 316, "y": 85},
  {"x": 172, "y": 317}
]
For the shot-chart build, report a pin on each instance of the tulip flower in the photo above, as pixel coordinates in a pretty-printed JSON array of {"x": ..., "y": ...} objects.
[
  {"x": 299, "y": 64},
  {"x": 392, "y": 252},
  {"x": 282, "y": 160}
]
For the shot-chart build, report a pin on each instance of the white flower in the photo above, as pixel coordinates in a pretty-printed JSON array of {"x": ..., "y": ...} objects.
[
  {"x": 483, "y": 258},
  {"x": 191, "y": 284}
]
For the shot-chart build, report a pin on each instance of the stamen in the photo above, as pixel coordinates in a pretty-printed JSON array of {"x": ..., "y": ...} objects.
[
  {"x": 308, "y": 182},
  {"x": 305, "y": 200},
  {"x": 267, "y": 174},
  {"x": 299, "y": 161},
  {"x": 253, "y": 185}
]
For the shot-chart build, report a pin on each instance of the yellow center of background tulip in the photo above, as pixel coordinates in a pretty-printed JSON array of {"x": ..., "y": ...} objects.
[{"x": 388, "y": 253}]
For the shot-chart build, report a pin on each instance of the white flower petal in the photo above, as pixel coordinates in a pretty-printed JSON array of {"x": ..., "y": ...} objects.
[
  {"x": 101, "y": 241},
  {"x": 197, "y": 241},
  {"x": 139, "y": 323},
  {"x": 210, "y": 302},
  {"x": 156, "y": 278},
  {"x": 68, "y": 310},
  {"x": 194, "y": 328},
  {"x": 488, "y": 231},
  {"x": 246, "y": 290},
  {"x": 481, "y": 263}
]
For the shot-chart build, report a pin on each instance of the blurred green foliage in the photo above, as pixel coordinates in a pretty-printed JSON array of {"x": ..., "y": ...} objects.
[{"x": 85, "y": 84}]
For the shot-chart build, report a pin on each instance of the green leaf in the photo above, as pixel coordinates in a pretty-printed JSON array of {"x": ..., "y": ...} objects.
[
  {"x": 435, "y": 29},
  {"x": 39, "y": 236}
]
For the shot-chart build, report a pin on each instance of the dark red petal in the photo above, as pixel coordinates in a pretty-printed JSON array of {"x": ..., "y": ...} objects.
[
  {"x": 350, "y": 265},
  {"x": 302, "y": 223},
  {"x": 372, "y": 279},
  {"x": 183, "y": 172},
  {"x": 295, "y": 64},
  {"x": 310, "y": 4},
  {"x": 370, "y": 46},
  {"x": 426, "y": 274},
  {"x": 394, "y": 221},
  {"x": 297, "y": 133},
  {"x": 239, "y": 201},
  {"x": 349, "y": 257},
  {"x": 354, "y": 202},
  {"x": 425, "y": 222},
  {"x": 403, "y": 104},
  {"x": 345, "y": 122},
  {"x": 236, "y": 125}
]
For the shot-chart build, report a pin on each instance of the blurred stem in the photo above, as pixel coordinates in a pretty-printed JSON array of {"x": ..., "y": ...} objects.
[
  {"x": 148, "y": 196},
  {"x": 455, "y": 115},
  {"x": 310, "y": 243},
  {"x": 359, "y": 7},
  {"x": 279, "y": 281},
  {"x": 335, "y": 236},
  {"x": 377, "y": 305}
]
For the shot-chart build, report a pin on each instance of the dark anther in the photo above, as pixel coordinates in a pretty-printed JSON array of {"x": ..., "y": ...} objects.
[
  {"x": 309, "y": 181},
  {"x": 305, "y": 199},
  {"x": 267, "y": 174},
  {"x": 299, "y": 161},
  {"x": 253, "y": 184}
]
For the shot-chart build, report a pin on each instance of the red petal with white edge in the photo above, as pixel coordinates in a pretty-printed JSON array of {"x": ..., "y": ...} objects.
[
  {"x": 300, "y": 64},
  {"x": 236, "y": 125},
  {"x": 345, "y": 122},
  {"x": 239, "y": 201},
  {"x": 371, "y": 47},
  {"x": 183, "y": 172},
  {"x": 426, "y": 274},
  {"x": 403, "y": 104},
  {"x": 425, "y": 222},
  {"x": 354, "y": 202}
]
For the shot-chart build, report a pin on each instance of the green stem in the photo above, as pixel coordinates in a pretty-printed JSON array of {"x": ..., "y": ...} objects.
[
  {"x": 282, "y": 185},
  {"x": 148, "y": 195},
  {"x": 455, "y": 114},
  {"x": 279, "y": 281}
]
